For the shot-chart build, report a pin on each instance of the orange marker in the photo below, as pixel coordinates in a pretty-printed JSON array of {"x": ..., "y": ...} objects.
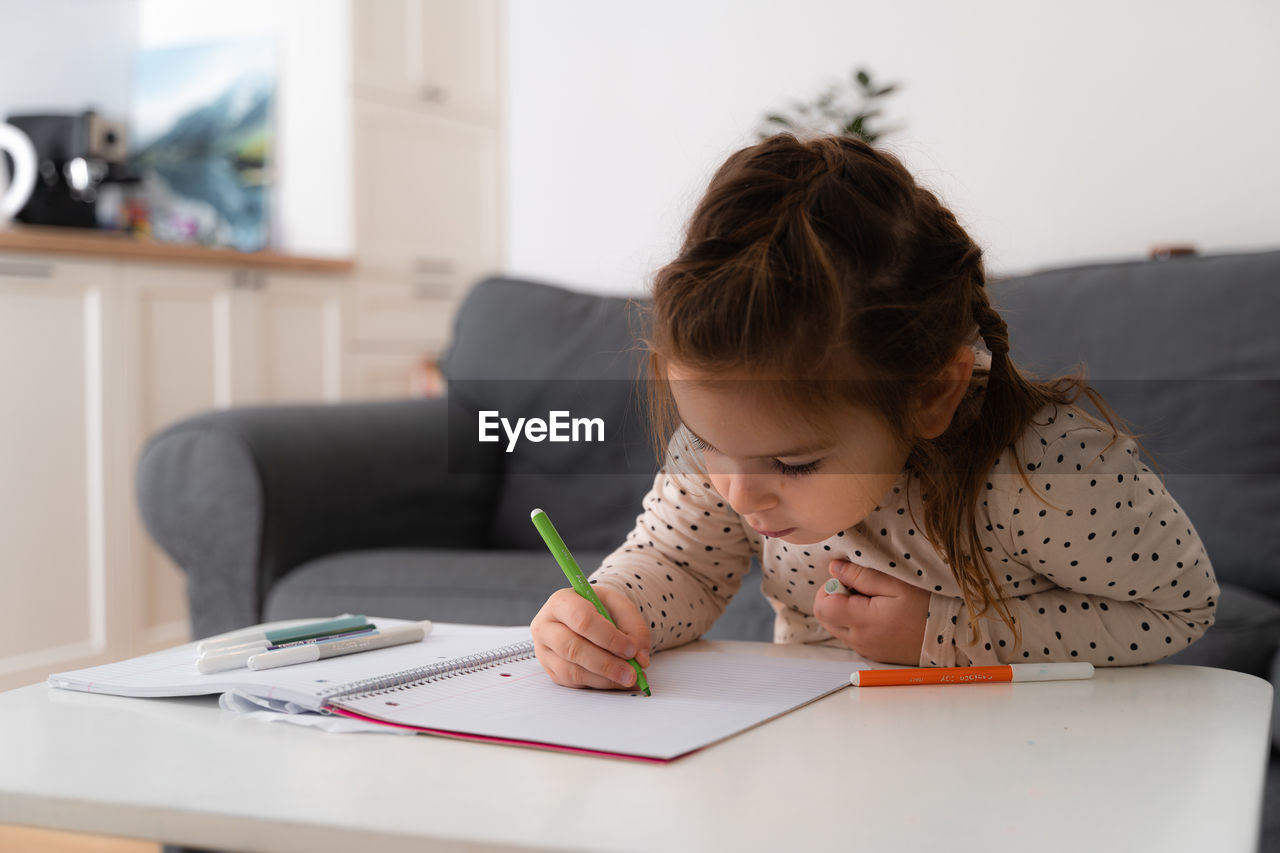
[{"x": 971, "y": 674}]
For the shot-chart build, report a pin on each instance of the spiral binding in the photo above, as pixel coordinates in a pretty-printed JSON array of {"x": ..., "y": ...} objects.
[{"x": 431, "y": 672}]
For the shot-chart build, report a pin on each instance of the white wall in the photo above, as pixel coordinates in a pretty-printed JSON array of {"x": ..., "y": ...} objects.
[
  {"x": 1057, "y": 132},
  {"x": 313, "y": 118},
  {"x": 66, "y": 56}
]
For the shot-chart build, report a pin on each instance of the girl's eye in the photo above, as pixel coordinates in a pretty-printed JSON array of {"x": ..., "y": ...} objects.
[
  {"x": 795, "y": 470},
  {"x": 778, "y": 465},
  {"x": 699, "y": 444}
]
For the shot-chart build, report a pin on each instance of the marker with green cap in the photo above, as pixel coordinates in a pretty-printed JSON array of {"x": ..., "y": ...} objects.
[{"x": 574, "y": 573}]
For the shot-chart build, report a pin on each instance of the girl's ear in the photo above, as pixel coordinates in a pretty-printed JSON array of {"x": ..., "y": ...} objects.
[{"x": 942, "y": 395}]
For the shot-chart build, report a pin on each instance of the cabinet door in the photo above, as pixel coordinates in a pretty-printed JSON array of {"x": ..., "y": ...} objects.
[
  {"x": 393, "y": 309},
  {"x": 178, "y": 343},
  {"x": 426, "y": 198},
  {"x": 458, "y": 62},
  {"x": 441, "y": 54},
  {"x": 299, "y": 338},
  {"x": 381, "y": 46},
  {"x": 57, "y": 533}
]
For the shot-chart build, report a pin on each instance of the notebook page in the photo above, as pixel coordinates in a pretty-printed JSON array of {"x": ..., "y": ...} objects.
[
  {"x": 698, "y": 698},
  {"x": 172, "y": 672}
]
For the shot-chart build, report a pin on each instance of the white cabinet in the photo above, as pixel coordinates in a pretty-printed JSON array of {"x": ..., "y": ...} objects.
[
  {"x": 176, "y": 360},
  {"x": 202, "y": 339},
  {"x": 301, "y": 339},
  {"x": 427, "y": 225},
  {"x": 439, "y": 53},
  {"x": 59, "y": 579},
  {"x": 94, "y": 359},
  {"x": 427, "y": 179},
  {"x": 426, "y": 193}
]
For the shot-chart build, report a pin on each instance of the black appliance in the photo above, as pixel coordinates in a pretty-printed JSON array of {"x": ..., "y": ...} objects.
[{"x": 75, "y": 155}]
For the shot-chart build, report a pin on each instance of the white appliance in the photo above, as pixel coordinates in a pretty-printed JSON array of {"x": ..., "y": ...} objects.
[{"x": 15, "y": 189}]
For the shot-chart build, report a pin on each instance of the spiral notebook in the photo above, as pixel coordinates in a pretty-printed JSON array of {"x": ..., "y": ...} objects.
[{"x": 485, "y": 684}]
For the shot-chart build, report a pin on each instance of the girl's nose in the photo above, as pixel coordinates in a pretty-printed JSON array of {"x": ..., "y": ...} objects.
[{"x": 751, "y": 493}]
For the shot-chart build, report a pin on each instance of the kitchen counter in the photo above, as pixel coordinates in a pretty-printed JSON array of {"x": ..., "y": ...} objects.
[{"x": 47, "y": 240}]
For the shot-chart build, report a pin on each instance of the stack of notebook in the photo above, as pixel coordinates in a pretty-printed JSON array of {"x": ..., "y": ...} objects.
[{"x": 484, "y": 683}]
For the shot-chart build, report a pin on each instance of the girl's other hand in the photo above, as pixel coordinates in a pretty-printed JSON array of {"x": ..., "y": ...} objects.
[
  {"x": 883, "y": 619},
  {"x": 579, "y": 648}
]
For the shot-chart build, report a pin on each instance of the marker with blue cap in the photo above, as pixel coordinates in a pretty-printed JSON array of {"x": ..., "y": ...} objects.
[
  {"x": 834, "y": 587},
  {"x": 280, "y": 636}
]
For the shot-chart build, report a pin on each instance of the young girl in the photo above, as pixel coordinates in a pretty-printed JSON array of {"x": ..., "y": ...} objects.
[{"x": 840, "y": 403}]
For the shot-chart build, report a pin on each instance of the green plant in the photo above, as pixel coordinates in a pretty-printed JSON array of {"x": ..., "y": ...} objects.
[{"x": 843, "y": 109}]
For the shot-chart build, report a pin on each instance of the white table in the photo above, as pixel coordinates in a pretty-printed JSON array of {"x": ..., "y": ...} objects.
[{"x": 1164, "y": 758}]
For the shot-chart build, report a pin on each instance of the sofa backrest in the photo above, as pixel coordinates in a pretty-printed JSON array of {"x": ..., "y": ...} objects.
[
  {"x": 1187, "y": 350},
  {"x": 525, "y": 349}
]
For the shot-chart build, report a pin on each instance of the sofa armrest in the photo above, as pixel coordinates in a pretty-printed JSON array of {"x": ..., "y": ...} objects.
[{"x": 240, "y": 497}]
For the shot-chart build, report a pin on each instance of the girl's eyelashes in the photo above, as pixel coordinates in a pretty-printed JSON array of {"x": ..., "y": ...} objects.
[
  {"x": 698, "y": 444},
  {"x": 778, "y": 465},
  {"x": 795, "y": 470}
]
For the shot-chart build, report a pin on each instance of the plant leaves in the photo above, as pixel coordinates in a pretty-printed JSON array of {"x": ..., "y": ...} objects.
[{"x": 838, "y": 109}]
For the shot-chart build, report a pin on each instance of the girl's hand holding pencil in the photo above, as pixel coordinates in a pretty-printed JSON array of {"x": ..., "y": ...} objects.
[
  {"x": 580, "y": 648},
  {"x": 881, "y": 617}
]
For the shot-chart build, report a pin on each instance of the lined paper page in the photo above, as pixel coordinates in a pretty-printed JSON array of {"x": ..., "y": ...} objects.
[
  {"x": 173, "y": 672},
  {"x": 698, "y": 698}
]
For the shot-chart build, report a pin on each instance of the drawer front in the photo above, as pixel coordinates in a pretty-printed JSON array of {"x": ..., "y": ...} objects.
[{"x": 405, "y": 311}]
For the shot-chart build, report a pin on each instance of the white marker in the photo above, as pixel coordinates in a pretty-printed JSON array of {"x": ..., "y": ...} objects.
[
  {"x": 237, "y": 657},
  {"x": 305, "y": 654}
]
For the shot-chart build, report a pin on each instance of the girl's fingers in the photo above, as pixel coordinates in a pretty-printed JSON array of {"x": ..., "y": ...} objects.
[
  {"x": 568, "y": 674},
  {"x": 581, "y": 617},
  {"x": 580, "y": 663},
  {"x": 845, "y": 612},
  {"x": 863, "y": 579},
  {"x": 630, "y": 621}
]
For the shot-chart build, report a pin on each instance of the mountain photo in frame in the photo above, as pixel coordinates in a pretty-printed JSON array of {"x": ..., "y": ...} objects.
[{"x": 203, "y": 138}]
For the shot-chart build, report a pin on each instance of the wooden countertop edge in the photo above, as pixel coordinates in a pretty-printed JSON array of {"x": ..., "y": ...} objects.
[{"x": 69, "y": 241}]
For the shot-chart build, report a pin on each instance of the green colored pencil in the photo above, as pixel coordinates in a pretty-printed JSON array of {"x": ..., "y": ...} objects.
[{"x": 574, "y": 573}]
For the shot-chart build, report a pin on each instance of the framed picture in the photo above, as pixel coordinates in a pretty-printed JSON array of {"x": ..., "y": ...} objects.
[{"x": 202, "y": 135}]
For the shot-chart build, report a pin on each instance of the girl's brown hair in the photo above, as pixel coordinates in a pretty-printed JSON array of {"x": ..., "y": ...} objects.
[{"x": 824, "y": 258}]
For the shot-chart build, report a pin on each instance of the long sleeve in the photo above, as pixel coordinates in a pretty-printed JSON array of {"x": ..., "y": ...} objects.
[
  {"x": 1123, "y": 577},
  {"x": 683, "y": 561}
]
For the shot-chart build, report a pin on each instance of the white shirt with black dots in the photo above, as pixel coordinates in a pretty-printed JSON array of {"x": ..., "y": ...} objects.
[{"x": 1095, "y": 560}]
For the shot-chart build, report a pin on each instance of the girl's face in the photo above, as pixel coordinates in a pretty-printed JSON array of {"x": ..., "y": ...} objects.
[{"x": 788, "y": 483}]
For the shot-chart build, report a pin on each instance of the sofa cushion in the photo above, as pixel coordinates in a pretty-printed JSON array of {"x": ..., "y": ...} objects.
[
  {"x": 478, "y": 587},
  {"x": 524, "y": 349},
  {"x": 1187, "y": 351},
  {"x": 475, "y": 587}
]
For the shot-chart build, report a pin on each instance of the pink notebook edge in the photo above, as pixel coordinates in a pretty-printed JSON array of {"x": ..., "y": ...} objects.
[{"x": 530, "y": 744}]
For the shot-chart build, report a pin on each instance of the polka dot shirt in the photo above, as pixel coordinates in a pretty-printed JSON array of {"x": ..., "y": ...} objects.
[{"x": 1095, "y": 560}]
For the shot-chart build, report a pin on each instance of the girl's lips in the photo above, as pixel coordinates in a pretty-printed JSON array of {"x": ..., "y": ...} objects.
[{"x": 776, "y": 534}]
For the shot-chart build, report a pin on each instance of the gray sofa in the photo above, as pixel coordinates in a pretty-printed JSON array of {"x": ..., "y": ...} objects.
[{"x": 395, "y": 509}]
